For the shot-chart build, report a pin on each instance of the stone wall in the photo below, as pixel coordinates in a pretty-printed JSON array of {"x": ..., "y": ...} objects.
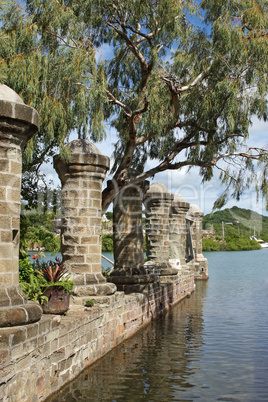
[
  {"x": 81, "y": 178},
  {"x": 177, "y": 231},
  {"x": 199, "y": 263},
  {"x": 38, "y": 359},
  {"x": 18, "y": 123}
]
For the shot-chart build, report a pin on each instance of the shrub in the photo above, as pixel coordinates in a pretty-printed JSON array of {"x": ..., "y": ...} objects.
[
  {"x": 89, "y": 303},
  {"x": 25, "y": 269},
  {"x": 37, "y": 278},
  {"x": 34, "y": 288},
  {"x": 107, "y": 243}
]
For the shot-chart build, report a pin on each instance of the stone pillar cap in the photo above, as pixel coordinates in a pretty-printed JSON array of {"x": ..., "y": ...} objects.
[
  {"x": 13, "y": 107},
  {"x": 194, "y": 210},
  {"x": 82, "y": 154},
  {"x": 7, "y": 94},
  {"x": 159, "y": 191},
  {"x": 83, "y": 147},
  {"x": 179, "y": 198},
  {"x": 180, "y": 202}
]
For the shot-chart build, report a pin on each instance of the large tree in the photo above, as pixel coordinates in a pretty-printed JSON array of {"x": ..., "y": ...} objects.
[{"x": 178, "y": 91}]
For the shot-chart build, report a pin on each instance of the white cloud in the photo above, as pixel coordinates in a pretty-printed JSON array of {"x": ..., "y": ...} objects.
[
  {"x": 258, "y": 133},
  {"x": 104, "y": 52}
]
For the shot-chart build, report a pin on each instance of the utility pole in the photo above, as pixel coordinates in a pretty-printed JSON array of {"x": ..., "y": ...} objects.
[{"x": 222, "y": 223}]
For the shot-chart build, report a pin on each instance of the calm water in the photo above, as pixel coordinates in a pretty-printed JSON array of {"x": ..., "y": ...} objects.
[
  {"x": 212, "y": 346},
  {"x": 46, "y": 256}
]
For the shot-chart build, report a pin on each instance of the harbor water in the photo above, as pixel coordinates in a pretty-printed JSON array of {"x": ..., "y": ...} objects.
[{"x": 212, "y": 346}]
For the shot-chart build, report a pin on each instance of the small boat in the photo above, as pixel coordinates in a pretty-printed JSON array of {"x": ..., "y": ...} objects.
[{"x": 262, "y": 243}]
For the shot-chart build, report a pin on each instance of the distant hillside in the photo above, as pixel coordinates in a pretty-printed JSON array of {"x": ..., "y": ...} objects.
[
  {"x": 243, "y": 222},
  {"x": 233, "y": 229}
]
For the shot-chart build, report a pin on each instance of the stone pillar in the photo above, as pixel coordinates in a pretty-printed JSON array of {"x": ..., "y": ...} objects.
[
  {"x": 18, "y": 123},
  {"x": 157, "y": 209},
  {"x": 81, "y": 179},
  {"x": 200, "y": 262},
  {"x": 177, "y": 232},
  {"x": 128, "y": 238}
]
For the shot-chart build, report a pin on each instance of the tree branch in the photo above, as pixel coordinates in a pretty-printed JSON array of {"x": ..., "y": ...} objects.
[
  {"x": 126, "y": 108},
  {"x": 135, "y": 50},
  {"x": 260, "y": 152}
]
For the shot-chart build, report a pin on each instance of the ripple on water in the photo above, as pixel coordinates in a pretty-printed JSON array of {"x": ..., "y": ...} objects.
[{"x": 211, "y": 347}]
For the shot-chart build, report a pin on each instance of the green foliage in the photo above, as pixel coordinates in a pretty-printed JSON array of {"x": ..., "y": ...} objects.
[
  {"x": 89, "y": 303},
  {"x": 38, "y": 228},
  {"x": 230, "y": 244},
  {"x": 65, "y": 283},
  {"x": 105, "y": 271},
  {"x": 210, "y": 245},
  {"x": 25, "y": 269},
  {"x": 34, "y": 288},
  {"x": 54, "y": 274},
  {"x": 175, "y": 92},
  {"x": 239, "y": 225},
  {"x": 52, "y": 271},
  {"x": 109, "y": 216},
  {"x": 34, "y": 282},
  {"x": 107, "y": 243},
  {"x": 243, "y": 223},
  {"x": 38, "y": 195},
  {"x": 144, "y": 244}
]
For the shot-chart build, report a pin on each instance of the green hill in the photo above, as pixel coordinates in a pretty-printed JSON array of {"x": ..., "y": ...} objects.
[{"x": 234, "y": 228}]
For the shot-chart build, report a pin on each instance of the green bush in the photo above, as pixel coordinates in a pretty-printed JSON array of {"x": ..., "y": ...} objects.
[
  {"x": 230, "y": 244},
  {"x": 37, "y": 278},
  {"x": 107, "y": 243},
  {"x": 210, "y": 245},
  {"x": 25, "y": 269},
  {"x": 89, "y": 303},
  {"x": 34, "y": 288},
  {"x": 38, "y": 228}
]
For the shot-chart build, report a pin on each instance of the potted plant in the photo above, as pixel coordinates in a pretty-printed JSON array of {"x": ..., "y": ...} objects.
[
  {"x": 57, "y": 287},
  {"x": 47, "y": 283}
]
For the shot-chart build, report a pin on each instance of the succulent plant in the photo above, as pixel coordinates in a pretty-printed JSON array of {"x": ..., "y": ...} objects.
[{"x": 52, "y": 271}]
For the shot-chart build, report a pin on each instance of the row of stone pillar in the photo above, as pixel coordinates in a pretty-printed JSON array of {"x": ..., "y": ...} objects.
[
  {"x": 81, "y": 179},
  {"x": 167, "y": 242}
]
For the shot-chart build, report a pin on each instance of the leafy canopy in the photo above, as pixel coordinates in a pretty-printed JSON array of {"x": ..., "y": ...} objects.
[{"x": 176, "y": 92}]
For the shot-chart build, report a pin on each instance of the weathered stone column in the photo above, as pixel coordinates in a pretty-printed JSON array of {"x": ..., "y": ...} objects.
[
  {"x": 157, "y": 209},
  {"x": 177, "y": 231},
  {"x": 81, "y": 179},
  {"x": 18, "y": 123},
  {"x": 128, "y": 238},
  {"x": 200, "y": 262}
]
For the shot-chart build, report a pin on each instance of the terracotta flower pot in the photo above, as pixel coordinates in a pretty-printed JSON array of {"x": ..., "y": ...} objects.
[{"x": 58, "y": 300}]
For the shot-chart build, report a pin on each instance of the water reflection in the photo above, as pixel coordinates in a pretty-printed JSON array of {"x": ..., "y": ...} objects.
[
  {"x": 155, "y": 364},
  {"x": 212, "y": 346}
]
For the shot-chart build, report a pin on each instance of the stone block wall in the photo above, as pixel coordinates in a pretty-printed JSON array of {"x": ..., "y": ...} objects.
[
  {"x": 157, "y": 207},
  {"x": 18, "y": 123},
  {"x": 128, "y": 231},
  {"x": 81, "y": 179},
  {"x": 177, "y": 231},
  {"x": 38, "y": 359},
  {"x": 199, "y": 264}
]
